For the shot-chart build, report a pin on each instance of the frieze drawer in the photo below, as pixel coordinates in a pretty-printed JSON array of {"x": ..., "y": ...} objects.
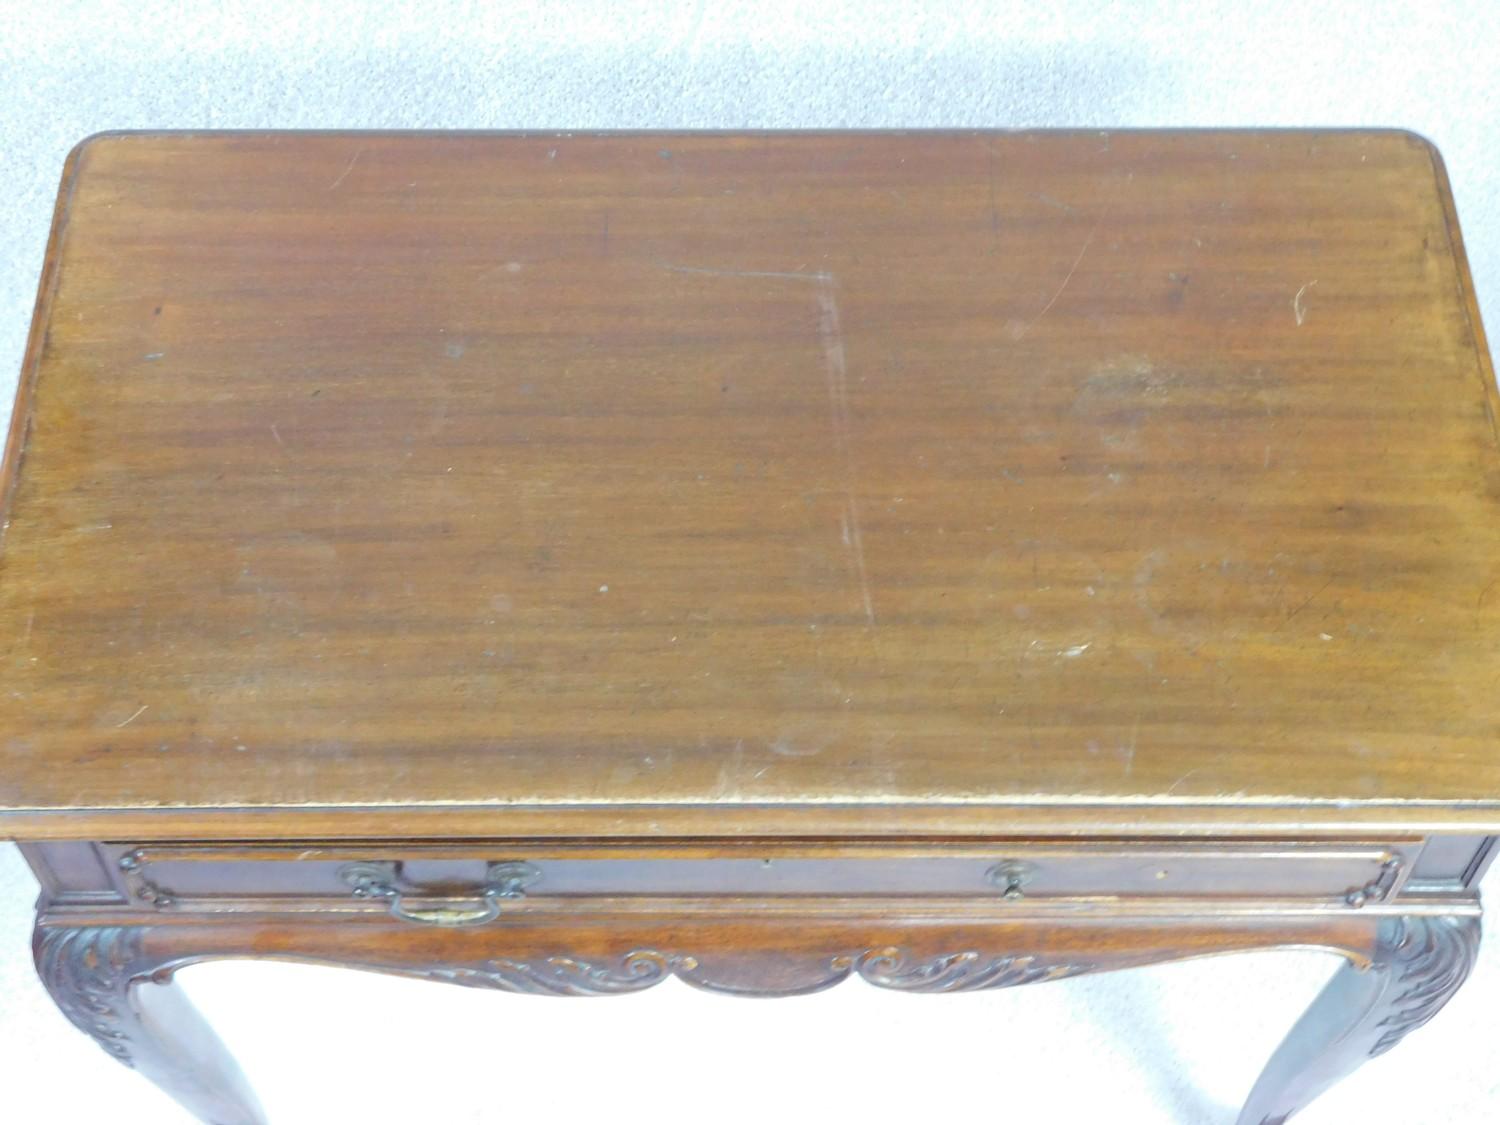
[{"x": 475, "y": 882}]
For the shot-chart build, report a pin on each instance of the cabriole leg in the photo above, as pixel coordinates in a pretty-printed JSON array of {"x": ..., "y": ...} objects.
[
  {"x": 1419, "y": 963},
  {"x": 107, "y": 983}
]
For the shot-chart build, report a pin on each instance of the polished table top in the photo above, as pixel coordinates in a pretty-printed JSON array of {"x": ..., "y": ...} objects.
[{"x": 819, "y": 484}]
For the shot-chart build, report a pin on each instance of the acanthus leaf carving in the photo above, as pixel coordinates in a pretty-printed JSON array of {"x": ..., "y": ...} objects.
[
  {"x": 88, "y": 970},
  {"x": 1431, "y": 957},
  {"x": 557, "y": 976},
  {"x": 960, "y": 972},
  {"x": 889, "y": 967}
]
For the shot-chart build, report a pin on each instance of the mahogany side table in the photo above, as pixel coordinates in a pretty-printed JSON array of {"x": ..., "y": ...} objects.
[{"x": 553, "y": 563}]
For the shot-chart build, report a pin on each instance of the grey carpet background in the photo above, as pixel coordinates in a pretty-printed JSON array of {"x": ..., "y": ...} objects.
[{"x": 1177, "y": 1043}]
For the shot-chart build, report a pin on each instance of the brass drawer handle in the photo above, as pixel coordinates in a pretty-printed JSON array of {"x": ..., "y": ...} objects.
[
  {"x": 1011, "y": 875},
  {"x": 504, "y": 880}
]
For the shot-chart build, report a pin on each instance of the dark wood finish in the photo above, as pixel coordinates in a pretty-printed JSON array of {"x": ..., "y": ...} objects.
[
  {"x": 682, "y": 477},
  {"x": 553, "y": 563}
]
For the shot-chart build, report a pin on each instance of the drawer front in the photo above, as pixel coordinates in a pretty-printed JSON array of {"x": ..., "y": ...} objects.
[{"x": 463, "y": 877}]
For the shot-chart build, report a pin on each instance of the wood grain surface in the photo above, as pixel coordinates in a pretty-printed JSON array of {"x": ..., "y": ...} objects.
[{"x": 850, "y": 483}]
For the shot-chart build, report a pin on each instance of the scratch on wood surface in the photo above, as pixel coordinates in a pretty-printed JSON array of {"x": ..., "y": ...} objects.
[
  {"x": 1216, "y": 760},
  {"x": 785, "y": 275},
  {"x": 275, "y": 433},
  {"x": 836, "y": 373},
  {"x": 731, "y": 773},
  {"x": 1479, "y": 602},
  {"x": 1173, "y": 787},
  {"x": 353, "y": 160},
  {"x": 1307, "y": 601},
  {"x": 1030, "y": 324},
  {"x": 836, "y": 370},
  {"x": 141, "y": 711},
  {"x": 1057, "y": 204},
  {"x": 1299, "y": 305}
]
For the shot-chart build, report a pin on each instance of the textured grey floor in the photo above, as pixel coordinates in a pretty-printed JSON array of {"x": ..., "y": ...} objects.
[{"x": 1175, "y": 1044}]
